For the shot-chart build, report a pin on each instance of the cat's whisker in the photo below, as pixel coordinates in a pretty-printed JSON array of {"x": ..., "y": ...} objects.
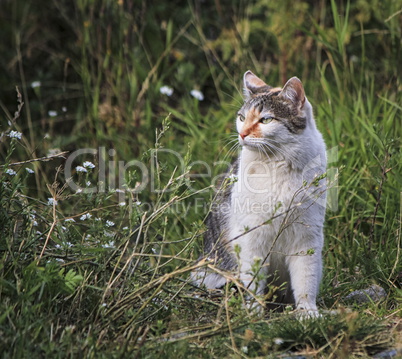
[
  {"x": 231, "y": 151},
  {"x": 263, "y": 144},
  {"x": 295, "y": 162},
  {"x": 239, "y": 102},
  {"x": 232, "y": 138},
  {"x": 286, "y": 154},
  {"x": 260, "y": 148},
  {"x": 229, "y": 142},
  {"x": 272, "y": 152},
  {"x": 232, "y": 135},
  {"x": 264, "y": 148},
  {"x": 234, "y": 148}
]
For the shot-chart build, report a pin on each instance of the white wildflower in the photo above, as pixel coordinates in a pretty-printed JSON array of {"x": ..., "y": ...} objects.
[
  {"x": 122, "y": 204},
  {"x": 108, "y": 245},
  {"x": 104, "y": 305},
  {"x": 109, "y": 223},
  {"x": 69, "y": 220},
  {"x": 197, "y": 94},
  {"x": 57, "y": 246},
  {"x": 69, "y": 244},
  {"x": 88, "y": 164},
  {"x": 64, "y": 109},
  {"x": 80, "y": 169},
  {"x": 85, "y": 216},
  {"x": 79, "y": 190},
  {"x": 88, "y": 183},
  {"x": 15, "y": 134},
  {"x": 278, "y": 341},
  {"x": 52, "y": 113},
  {"x": 354, "y": 58},
  {"x": 138, "y": 203},
  {"x": 29, "y": 170},
  {"x": 97, "y": 219},
  {"x": 118, "y": 190},
  {"x": 36, "y": 84},
  {"x": 244, "y": 349},
  {"x": 11, "y": 172},
  {"x": 35, "y": 223},
  {"x": 166, "y": 90},
  {"x": 51, "y": 202},
  {"x": 125, "y": 228},
  {"x": 60, "y": 260}
]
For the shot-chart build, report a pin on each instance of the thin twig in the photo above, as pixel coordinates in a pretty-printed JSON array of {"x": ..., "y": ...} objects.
[{"x": 41, "y": 159}]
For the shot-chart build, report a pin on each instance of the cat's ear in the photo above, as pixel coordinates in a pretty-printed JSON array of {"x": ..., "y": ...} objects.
[
  {"x": 294, "y": 91},
  {"x": 253, "y": 84}
]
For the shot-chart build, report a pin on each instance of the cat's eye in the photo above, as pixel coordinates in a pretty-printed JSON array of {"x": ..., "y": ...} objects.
[
  {"x": 266, "y": 120},
  {"x": 241, "y": 117}
]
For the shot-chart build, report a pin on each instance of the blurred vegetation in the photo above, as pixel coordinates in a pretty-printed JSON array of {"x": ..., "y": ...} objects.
[{"x": 112, "y": 282}]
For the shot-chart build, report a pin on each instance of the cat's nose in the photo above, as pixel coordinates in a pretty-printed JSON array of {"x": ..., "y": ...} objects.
[{"x": 243, "y": 135}]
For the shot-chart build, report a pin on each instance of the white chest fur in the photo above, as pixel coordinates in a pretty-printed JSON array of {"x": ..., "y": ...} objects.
[
  {"x": 263, "y": 190},
  {"x": 273, "y": 218}
]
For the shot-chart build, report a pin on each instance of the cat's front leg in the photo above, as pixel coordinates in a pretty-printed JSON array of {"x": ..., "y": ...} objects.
[{"x": 305, "y": 275}]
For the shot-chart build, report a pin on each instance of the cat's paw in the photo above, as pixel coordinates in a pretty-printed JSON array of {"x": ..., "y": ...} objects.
[{"x": 307, "y": 312}]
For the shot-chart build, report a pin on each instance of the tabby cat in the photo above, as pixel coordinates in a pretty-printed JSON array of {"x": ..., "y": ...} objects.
[{"x": 271, "y": 215}]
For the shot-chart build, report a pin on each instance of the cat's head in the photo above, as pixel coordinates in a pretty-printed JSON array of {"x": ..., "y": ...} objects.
[{"x": 272, "y": 115}]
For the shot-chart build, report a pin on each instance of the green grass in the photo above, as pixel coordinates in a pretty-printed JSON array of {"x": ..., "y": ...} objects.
[{"x": 93, "y": 277}]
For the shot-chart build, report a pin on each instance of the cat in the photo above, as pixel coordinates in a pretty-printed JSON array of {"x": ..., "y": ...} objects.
[{"x": 269, "y": 213}]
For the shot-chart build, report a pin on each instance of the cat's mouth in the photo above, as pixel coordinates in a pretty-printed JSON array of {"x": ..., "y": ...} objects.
[{"x": 250, "y": 142}]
